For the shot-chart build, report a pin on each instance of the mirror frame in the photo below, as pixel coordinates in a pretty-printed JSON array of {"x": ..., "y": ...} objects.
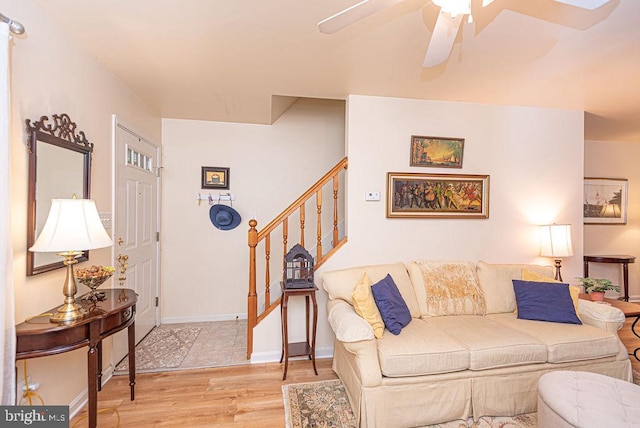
[{"x": 61, "y": 133}]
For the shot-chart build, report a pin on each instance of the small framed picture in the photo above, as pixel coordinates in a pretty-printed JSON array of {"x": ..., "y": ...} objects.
[
  {"x": 437, "y": 152},
  {"x": 413, "y": 195},
  {"x": 215, "y": 177},
  {"x": 605, "y": 200}
]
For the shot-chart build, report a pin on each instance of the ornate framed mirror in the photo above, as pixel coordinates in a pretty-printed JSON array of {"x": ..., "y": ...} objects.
[{"x": 59, "y": 167}]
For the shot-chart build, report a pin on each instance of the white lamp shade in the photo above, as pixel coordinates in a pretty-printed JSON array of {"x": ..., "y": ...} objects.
[
  {"x": 555, "y": 240},
  {"x": 72, "y": 225},
  {"x": 610, "y": 211}
]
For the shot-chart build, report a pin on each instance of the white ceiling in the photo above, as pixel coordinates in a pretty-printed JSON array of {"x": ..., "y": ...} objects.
[{"x": 223, "y": 60}]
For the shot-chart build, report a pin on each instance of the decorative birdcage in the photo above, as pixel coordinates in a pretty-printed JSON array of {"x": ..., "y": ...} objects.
[{"x": 298, "y": 268}]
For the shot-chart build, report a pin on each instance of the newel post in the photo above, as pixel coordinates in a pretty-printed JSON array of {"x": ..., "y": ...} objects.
[{"x": 252, "y": 310}]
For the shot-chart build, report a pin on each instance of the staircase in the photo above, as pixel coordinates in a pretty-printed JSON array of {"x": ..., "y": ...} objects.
[{"x": 261, "y": 301}]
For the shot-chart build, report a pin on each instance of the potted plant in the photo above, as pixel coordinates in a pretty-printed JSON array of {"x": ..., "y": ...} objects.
[{"x": 597, "y": 286}]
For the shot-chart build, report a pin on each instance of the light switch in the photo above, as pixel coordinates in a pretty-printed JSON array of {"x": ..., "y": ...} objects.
[{"x": 372, "y": 196}]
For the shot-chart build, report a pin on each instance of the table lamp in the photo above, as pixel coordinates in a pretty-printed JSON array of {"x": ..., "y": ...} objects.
[
  {"x": 555, "y": 241},
  {"x": 73, "y": 225}
]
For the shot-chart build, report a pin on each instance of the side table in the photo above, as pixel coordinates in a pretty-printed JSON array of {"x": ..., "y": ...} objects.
[
  {"x": 623, "y": 260},
  {"x": 299, "y": 349},
  {"x": 38, "y": 338}
]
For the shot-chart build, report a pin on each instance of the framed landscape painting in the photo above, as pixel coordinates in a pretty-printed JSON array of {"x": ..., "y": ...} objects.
[
  {"x": 414, "y": 195},
  {"x": 436, "y": 152},
  {"x": 605, "y": 200}
]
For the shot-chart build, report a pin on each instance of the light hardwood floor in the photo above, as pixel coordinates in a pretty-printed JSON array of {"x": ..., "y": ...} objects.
[{"x": 237, "y": 396}]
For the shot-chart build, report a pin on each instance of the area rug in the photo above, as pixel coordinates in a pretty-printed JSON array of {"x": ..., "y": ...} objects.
[
  {"x": 325, "y": 405},
  {"x": 163, "y": 349}
]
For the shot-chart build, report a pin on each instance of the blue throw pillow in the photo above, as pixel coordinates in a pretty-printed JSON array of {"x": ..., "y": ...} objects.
[
  {"x": 393, "y": 309},
  {"x": 544, "y": 301}
]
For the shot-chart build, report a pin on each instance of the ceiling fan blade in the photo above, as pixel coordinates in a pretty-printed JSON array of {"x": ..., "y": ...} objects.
[
  {"x": 353, "y": 14},
  {"x": 444, "y": 34},
  {"x": 584, "y": 4}
]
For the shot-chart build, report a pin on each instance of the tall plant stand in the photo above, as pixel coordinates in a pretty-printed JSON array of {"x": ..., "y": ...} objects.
[{"x": 299, "y": 349}]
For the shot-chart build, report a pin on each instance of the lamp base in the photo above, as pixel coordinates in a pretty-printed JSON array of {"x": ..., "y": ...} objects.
[
  {"x": 68, "y": 312},
  {"x": 558, "y": 276}
]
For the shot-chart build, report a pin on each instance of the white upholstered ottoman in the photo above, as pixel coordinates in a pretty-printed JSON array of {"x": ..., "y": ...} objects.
[{"x": 587, "y": 400}]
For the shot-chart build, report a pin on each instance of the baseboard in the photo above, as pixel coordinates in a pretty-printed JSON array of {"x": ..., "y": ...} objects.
[
  {"x": 83, "y": 398},
  {"x": 274, "y": 357},
  {"x": 210, "y": 318}
]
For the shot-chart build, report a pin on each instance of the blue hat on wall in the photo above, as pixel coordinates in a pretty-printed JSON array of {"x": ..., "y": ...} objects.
[{"x": 224, "y": 217}]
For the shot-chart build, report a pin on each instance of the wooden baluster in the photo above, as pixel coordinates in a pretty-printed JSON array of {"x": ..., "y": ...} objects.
[
  {"x": 319, "y": 235},
  {"x": 335, "y": 210},
  {"x": 302, "y": 225},
  {"x": 252, "y": 298},
  {"x": 267, "y": 275}
]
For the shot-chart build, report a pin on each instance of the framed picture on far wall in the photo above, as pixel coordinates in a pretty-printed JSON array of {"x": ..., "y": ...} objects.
[
  {"x": 414, "y": 195},
  {"x": 605, "y": 200},
  {"x": 436, "y": 152},
  {"x": 215, "y": 177}
]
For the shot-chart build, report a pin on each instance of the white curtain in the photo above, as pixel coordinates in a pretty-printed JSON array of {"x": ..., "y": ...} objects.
[{"x": 7, "y": 327}]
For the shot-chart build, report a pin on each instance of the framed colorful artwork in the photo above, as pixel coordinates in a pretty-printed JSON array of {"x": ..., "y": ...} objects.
[
  {"x": 436, "y": 152},
  {"x": 215, "y": 177},
  {"x": 414, "y": 195},
  {"x": 605, "y": 200}
]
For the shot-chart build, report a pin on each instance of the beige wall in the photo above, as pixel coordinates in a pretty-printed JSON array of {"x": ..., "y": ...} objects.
[
  {"x": 205, "y": 270},
  {"x": 534, "y": 159},
  {"x": 615, "y": 160},
  {"x": 49, "y": 75}
]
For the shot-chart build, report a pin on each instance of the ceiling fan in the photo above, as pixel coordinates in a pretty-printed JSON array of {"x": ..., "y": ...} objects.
[{"x": 451, "y": 14}]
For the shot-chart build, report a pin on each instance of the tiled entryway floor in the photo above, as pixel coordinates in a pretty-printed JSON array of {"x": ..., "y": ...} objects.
[{"x": 220, "y": 343}]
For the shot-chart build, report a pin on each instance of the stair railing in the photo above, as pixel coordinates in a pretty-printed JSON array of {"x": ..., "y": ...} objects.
[{"x": 296, "y": 211}]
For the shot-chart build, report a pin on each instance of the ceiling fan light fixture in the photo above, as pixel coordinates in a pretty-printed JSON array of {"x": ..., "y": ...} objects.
[{"x": 454, "y": 7}]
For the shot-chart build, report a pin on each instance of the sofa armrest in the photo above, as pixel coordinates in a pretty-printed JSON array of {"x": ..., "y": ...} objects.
[
  {"x": 602, "y": 316},
  {"x": 348, "y": 326}
]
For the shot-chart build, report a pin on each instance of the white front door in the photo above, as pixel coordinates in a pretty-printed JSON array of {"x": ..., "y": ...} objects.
[{"x": 136, "y": 232}]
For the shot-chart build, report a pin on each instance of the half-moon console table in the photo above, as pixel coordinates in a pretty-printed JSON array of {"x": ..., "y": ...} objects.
[
  {"x": 624, "y": 260},
  {"x": 37, "y": 337}
]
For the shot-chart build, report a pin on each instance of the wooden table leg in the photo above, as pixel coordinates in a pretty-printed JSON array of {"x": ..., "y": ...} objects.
[
  {"x": 313, "y": 336},
  {"x": 625, "y": 281},
  {"x": 131, "y": 332},
  {"x": 99, "y": 348},
  {"x": 92, "y": 375},
  {"x": 307, "y": 318},
  {"x": 285, "y": 335}
]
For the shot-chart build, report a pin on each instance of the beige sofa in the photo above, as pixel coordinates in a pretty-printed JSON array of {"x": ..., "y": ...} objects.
[{"x": 447, "y": 367}]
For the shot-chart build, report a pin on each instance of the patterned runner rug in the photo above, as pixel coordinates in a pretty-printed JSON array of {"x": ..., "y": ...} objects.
[
  {"x": 164, "y": 348},
  {"x": 325, "y": 404}
]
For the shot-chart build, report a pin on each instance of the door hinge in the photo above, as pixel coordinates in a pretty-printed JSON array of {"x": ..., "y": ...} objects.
[
  {"x": 157, "y": 298},
  {"x": 157, "y": 236},
  {"x": 158, "y": 171}
]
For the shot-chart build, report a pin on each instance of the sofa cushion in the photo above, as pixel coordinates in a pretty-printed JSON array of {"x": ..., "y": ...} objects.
[
  {"x": 490, "y": 343},
  {"x": 565, "y": 342},
  {"x": 365, "y": 305},
  {"x": 495, "y": 281},
  {"x": 393, "y": 309},
  {"x": 421, "y": 349},
  {"x": 446, "y": 288},
  {"x": 339, "y": 284},
  {"x": 544, "y": 301},
  {"x": 574, "y": 290}
]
